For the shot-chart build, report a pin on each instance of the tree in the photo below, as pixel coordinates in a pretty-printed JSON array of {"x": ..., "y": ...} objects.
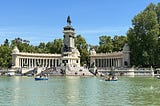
[
  {"x": 82, "y": 46},
  {"x": 5, "y": 56},
  {"x": 158, "y": 45},
  {"x": 23, "y": 45},
  {"x": 143, "y": 37},
  {"x": 118, "y": 42},
  {"x": 55, "y": 46},
  {"x": 105, "y": 44},
  {"x": 42, "y": 47},
  {"x": 158, "y": 12}
]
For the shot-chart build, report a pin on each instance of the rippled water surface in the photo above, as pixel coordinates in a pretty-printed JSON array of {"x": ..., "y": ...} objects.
[{"x": 79, "y": 91}]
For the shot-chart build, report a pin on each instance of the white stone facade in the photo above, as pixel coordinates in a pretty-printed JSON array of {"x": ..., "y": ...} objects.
[
  {"x": 30, "y": 60},
  {"x": 70, "y": 55},
  {"x": 109, "y": 60}
]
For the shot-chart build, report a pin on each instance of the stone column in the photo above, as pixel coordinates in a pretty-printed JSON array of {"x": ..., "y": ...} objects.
[
  {"x": 22, "y": 61},
  {"x": 52, "y": 63},
  {"x": 98, "y": 62},
  {"x": 45, "y": 62},
  {"x": 30, "y": 62},
  {"x": 15, "y": 61},
  {"x": 19, "y": 63},
  {"x": 116, "y": 62},
  {"x": 49, "y": 64},
  {"x": 55, "y": 62},
  {"x": 34, "y": 62},
  {"x": 101, "y": 64},
  {"x": 111, "y": 62}
]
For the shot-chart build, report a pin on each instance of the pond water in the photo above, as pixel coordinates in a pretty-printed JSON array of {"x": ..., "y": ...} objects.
[{"x": 79, "y": 91}]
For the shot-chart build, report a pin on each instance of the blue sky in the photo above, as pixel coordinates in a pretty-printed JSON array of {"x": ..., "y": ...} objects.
[{"x": 43, "y": 20}]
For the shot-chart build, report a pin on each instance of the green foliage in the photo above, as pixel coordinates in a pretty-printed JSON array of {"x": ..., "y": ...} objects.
[
  {"x": 56, "y": 46},
  {"x": 108, "y": 44},
  {"x": 24, "y": 46},
  {"x": 82, "y": 46},
  {"x": 143, "y": 37},
  {"x": 158, "y": 12},
  {"x": 119, "y": 42},
  {"x": 5, "y": 56},
  {"x": 42, "y": 48}
]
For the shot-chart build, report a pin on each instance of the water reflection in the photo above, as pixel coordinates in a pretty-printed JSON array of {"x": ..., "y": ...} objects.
[
  {"x": 79, "y": 91},
  {"x": 71, "y": 90},
  {"x": 16, "y": 90}
]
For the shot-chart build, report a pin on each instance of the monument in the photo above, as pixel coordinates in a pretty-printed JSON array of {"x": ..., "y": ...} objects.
[
  {"x": 68, "y": 61},
  {"x": 70, "y": 54},
  {"x": 106, "y": 61}
]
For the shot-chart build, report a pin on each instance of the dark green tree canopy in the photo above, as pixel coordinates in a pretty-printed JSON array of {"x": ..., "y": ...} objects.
[
  {"x": 143, "y": 37},
  {"x": 108, "y": 44},
  {"x": 82, "y": 46}
]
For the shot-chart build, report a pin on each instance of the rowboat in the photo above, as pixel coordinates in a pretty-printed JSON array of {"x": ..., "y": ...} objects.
[
  {"x": 113, "y": 78},
  {"x": 41, "y": 78}
]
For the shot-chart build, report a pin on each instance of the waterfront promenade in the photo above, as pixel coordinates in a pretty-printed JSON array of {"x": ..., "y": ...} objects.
[{"x": 84, "y": 71}]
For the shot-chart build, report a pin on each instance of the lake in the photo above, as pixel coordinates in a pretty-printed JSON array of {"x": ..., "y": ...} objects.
[{"x": 79, "y": 91}]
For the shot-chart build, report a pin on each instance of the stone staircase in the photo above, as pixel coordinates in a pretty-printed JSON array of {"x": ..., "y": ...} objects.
[{"x": 79, "y": 71}]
